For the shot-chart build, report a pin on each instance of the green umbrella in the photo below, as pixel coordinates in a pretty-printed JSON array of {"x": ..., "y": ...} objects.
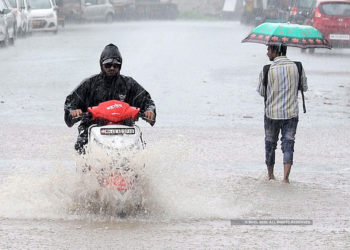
[{"x": 302, "y": 36}]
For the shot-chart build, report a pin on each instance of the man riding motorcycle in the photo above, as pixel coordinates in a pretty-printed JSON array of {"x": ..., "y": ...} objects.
[{"x": 109, "y": 84}]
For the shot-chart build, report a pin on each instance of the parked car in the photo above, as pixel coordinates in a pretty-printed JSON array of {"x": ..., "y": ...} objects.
[
  {"x": 332, "y": 18},
  {"x": 44, "y": 15},
  {"x": 98, "y": 10},
  {"x": 21, "y": 10},
  {"x": 7, "y": 25},
  {"x": 301, "y": 10},
  {"x": 88, "y": 10}
]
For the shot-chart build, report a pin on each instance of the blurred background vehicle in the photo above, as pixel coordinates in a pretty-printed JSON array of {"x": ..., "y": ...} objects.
[
  {"x": 87, "y": 10},
  {"x": 301, "y": 10},
  {"x": 332, "y": 18},
  {"x": 44, "y": 15},
  {"x": 155, "y": 9},
  {"x": 276, "y": 11},
  {"x": 109, "y": 10},
  {"x": 21, "y": 9},
  {"x": 7, "y": 24},
  {"x": 97, "y": 10},
  {"x": 260, "y": 11}
]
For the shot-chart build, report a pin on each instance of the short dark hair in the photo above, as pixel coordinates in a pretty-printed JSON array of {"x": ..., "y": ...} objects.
[{"x": 280, "y": 49}]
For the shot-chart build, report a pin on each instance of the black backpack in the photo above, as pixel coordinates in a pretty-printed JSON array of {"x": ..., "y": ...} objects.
[{"x": 300, "y": 85}]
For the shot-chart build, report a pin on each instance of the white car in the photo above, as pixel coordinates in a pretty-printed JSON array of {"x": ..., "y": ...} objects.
[
  {"x": 44, "y": 15},
  {"x": 22, "y": 12},
  {"x": 98, "y": 10},
  {"x": 88, "y": 10}
]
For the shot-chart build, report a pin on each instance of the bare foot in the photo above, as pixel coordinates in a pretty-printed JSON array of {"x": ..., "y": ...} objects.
[
  {"x": 287, "y": 167},
  {"x": 270, "y": 174}
]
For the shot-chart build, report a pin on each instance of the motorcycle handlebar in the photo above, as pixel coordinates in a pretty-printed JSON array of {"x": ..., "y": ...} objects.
[
  {"x": 88, "y": 115},
  {"x": 84, "y": 116},
  {"x": 143, "y": 117}
]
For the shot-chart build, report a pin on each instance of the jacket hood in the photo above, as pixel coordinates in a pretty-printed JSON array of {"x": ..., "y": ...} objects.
[{"x": 110, "y": 52}]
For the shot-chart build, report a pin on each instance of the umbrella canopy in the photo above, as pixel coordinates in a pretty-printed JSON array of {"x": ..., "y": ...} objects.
[{"x": 302, "y": 36}]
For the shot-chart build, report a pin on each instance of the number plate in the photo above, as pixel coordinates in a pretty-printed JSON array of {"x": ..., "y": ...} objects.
[
  {"x": 339, "y": 36},
  {"x": 117, "y": 131}
]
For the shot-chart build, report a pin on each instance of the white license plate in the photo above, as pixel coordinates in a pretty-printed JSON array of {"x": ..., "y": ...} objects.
[
  {"x": 117, "y": 131},
  {"x": 339, "y": 36}
]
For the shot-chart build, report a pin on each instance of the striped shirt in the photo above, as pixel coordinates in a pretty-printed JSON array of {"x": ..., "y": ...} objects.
[{"x": 282, "y": 89}]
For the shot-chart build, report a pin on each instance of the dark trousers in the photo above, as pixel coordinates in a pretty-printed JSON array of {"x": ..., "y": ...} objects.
[
  {"x": 288, "y": 130},
  {"x": 82, "y": 140}
]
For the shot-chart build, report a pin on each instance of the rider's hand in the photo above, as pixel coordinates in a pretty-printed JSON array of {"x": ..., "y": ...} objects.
[
  {"x": 149, "y": 115},
  {"x": 76, "y": 113}
]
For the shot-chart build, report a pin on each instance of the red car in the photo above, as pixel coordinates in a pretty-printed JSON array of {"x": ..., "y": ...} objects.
[{"x": 332, "y": 18}]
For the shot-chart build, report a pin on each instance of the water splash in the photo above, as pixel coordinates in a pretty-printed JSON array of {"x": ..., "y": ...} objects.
[{"x": 171, "y": 184}]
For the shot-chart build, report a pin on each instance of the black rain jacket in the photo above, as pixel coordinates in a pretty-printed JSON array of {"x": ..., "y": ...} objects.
[{"x": 99, "y": 88}]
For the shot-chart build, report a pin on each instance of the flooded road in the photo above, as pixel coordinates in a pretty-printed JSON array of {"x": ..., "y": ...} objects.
[{"x": 204, "y": 157}]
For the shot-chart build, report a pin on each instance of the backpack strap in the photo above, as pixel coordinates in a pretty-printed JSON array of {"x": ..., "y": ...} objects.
[
  {"x": 300, "y": 84},
  {"x": 265, "y": 79}
]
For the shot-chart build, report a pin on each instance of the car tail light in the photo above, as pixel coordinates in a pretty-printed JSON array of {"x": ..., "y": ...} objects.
[
  {"x": 294, "y": 11},
  {"x": 318, "y": 13}
]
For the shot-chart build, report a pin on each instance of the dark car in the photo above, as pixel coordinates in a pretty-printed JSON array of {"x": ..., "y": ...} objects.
[
  {"x": 273, "y": 11},
  {"x": 332, "y": 18},
  {"x": 301, "y": 10},
  {"x": 7, "y": 24}
]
